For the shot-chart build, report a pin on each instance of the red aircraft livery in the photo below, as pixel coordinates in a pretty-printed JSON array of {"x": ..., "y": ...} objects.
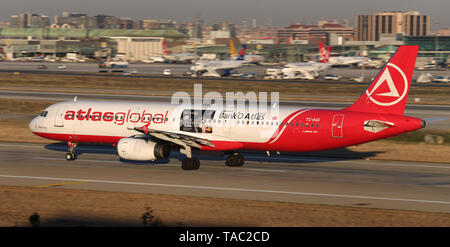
[{"x": 147, "y": 131}]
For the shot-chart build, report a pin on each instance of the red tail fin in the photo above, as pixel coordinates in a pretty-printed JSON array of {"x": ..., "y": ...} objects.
[
  {"x": 165, "y": 51},
  {"x": 389, "y": 90},
  {"x": 322, "y": 53}
]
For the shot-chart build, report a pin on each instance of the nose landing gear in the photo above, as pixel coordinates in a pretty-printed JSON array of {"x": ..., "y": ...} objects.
[{"x": 71, "y": 155}]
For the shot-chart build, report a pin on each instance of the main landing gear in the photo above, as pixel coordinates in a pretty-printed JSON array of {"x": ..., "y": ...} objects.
[
  {"x": 189, "y": 163},
  {"x": 235, "y": 159},
  {"x": 71, "y": 155}
]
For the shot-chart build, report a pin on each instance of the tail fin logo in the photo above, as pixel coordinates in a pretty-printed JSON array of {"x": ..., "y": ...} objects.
[
  {"x": 385, "y": 92},
  {"x": 324, "y": 53}
]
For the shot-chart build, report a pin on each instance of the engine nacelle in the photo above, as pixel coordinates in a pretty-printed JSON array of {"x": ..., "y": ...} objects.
[{"x": 141, "y": 149}]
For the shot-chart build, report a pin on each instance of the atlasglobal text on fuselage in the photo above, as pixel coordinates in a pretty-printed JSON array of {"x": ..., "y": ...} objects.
[{"x": 147, "y": 131}]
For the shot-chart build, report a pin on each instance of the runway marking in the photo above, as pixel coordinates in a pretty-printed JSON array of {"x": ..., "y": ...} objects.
[
  {"x": 84, "y": 160},
  {"x": 380, "y": 162},
  {"x": 261, "y": 170},
  {"x": 59, "y": 184},
  {"x": 230, "y": 189}
]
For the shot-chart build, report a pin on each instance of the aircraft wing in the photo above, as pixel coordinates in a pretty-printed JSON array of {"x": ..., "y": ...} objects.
[{"x": 176, "y": 138}]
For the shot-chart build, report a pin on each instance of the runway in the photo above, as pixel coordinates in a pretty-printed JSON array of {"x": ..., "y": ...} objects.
[
  {"x": 284, "y": 178},
  {"x": 155, "y": 70}
]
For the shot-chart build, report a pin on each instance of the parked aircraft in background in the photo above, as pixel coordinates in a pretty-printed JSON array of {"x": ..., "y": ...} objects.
[
  {"x": 178, "y": 57},
  {"x": 249, "y": 58},
  {"x": 219, "y": 68},
  {"x": 309, "y": 70},
  {"x": 343, "y": 60},
  {"x": 154, "y": 59},
  {"x": 148, "y": 131}
]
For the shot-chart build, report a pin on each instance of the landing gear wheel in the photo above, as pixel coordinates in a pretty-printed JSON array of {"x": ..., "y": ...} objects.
[
  {"x": 190, "y": 164},
  {"x": 70, "y": 156},
  {"x": 235, "y": 160}
]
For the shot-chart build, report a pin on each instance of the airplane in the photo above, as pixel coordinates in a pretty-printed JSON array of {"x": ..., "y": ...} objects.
[
  {"x": 220, "y": 67},
  {"x": 249, "y": 58},
  {"x": 148, "y": 131},
  {"x": 342, "y": 60},
  {"x": 178, "y": 57},
  {"x": 308, "y": 70}
]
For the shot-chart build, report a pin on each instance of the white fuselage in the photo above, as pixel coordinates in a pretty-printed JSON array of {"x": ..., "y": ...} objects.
[
  {"x": 180, "y": 57},
  {"x": 215, "y": 66},
  {"x": 311, "y": 66},
  {"x": 119, "y": 119},
  {"x": 346, "y": 60}
]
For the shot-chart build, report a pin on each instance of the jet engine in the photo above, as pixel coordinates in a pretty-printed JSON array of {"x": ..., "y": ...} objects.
[{"x": 142, "y": 149}]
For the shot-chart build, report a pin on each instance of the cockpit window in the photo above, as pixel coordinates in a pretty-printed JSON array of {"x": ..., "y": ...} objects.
[{"x": 43, "y": 114}]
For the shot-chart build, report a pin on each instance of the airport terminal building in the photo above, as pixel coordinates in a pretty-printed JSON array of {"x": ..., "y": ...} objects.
[{"x": 134, "y": 44}]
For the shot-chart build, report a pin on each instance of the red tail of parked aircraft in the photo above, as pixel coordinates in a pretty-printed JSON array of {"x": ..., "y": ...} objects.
[
  {"x": 165, "y": 51},
  {"x": 324, "y": 53}
]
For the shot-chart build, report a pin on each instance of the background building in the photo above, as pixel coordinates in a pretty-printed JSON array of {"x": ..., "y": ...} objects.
[
  {"x": 75, "y": 20},
  {"x": 312, "y": 34},
  {"x": 411, "y": 23},
  {"x": 27, "y": 20},
  {"x": 157, "y": 24},
  {"x": 135, "y": 44}
]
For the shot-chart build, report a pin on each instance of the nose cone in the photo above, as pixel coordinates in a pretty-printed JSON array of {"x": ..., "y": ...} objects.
[{"x": 33, "y": 124}]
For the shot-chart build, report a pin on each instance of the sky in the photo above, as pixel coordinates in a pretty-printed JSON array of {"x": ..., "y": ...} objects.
[{"x": 278, "y": 12}]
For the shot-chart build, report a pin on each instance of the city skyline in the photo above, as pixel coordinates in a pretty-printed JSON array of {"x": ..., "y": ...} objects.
[{"x": 268, "y": 13}]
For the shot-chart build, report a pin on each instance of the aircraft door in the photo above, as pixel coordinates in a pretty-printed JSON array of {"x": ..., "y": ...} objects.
[
  {"x": 227, "y": 123},
  {"x": 337, "y": 126},
  {"x": 59, "y": 117}
]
